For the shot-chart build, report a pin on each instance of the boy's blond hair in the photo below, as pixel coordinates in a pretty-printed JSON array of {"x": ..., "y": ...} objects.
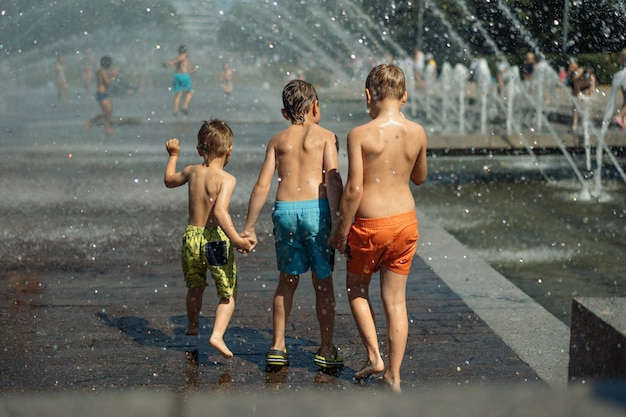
[
  {"x": 214, "y": 139},
  {"x": 298, "y": 96},
  {"x": 386, "y": 81}
]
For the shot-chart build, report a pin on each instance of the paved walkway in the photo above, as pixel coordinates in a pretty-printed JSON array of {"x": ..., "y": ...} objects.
[{"x": 77, "y": 331}]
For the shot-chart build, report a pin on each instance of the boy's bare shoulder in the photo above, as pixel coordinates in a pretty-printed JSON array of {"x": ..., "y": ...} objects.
[
  {"x": 358, "y": 131},
  {"x": 415, "y": 125},
  {"x": 324, "y": 134}
]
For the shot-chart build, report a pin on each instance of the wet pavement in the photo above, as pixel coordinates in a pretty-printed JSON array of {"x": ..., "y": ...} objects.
[
  {"x": 99, "y": 342},
  {"x": 124, "y": 328}
]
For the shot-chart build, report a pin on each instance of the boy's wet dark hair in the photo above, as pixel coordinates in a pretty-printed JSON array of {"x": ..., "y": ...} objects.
[
  {"x": 106, "y": 62},
  {"x": 214, "y": 138},
  {"x": 386, "y": 81},
  {"x": 298, "y": 96},
  {"x": 182, "y": 48}
]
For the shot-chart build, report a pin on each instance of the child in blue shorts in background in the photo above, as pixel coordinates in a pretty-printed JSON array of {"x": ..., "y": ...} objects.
[
  {"x": 210, "y": 234},
  {"x": 305, "y": 155},
  {"x": 181, "y": 85}
]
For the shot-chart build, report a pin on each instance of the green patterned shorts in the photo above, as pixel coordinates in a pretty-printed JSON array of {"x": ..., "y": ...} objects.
[{"x": 209, "y": 249}]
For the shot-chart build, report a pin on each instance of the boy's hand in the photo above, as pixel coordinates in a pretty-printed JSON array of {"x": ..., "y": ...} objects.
[
  {"x": 338, "y": 241},
  {"x": 246, "y": 245},
  {"x": 251, "y": 237},
  {"x": 173, "y": 149}
]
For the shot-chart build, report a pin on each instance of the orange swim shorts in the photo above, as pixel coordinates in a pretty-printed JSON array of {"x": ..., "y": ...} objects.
[{"x": 387, "y": 241}]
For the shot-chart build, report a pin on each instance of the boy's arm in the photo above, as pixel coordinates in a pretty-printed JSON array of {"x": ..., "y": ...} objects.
[
  {"x": 420, "y": 169},
  {"x": 260, "y": 191},
  {"x": 220, "y": 211},
  {"x": 351, "y": 198},
  {"x": 171, "y": 177},
  {"x": 173, "y": 61},
  {"x": 334, "y": 184}
]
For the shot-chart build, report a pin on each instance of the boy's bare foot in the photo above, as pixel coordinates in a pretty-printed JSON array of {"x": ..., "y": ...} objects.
[
  {"x": 88, "y": 125},
  {"x": 218, "y": 343},
  {"x": 109, "y": 132},
  {"x": 192, "y": 330},
  {"x": 393, "y": 384},
  {"x": 369, "y": 369}
]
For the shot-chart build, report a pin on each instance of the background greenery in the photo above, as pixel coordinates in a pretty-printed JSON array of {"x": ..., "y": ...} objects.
[{"x": 596, "y": 29}]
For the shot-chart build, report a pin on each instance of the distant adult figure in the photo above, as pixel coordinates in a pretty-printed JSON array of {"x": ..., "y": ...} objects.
[
  {"x": 529, "y": 67},
  {"x": 562, "y": 75},
  {"x": 61, "y": 80},
  {"x": 502, "y": 74},
  {"x": 419, "y": 62},
  {"x": 582, "y": 82},
  {"x": 182, "y": 81},
  {"x": 226, "y": 78},
  {"x": 479, "y": 70},
  {"x": 620, "y": 78},
  {"x": 431, "y": 66},
  {"x": 145, "y": 75},
  {"x": 105, "y": 76}
]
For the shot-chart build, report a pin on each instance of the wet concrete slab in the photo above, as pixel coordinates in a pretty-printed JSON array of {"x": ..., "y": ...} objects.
[{"x": 124, "y": 329}]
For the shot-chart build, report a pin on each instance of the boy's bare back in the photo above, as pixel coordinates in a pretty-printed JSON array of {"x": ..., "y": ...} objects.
[
  {"x": 392, "y": 151},
  {"x": 207, "y": 185},
  {"x": 210, "y": 189},
  {"x": 303, "y": 153}
]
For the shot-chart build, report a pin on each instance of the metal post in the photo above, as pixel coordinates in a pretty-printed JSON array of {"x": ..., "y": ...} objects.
[
  {"x": 420, "y": 24},
  {"x": 565, "y": 27}
]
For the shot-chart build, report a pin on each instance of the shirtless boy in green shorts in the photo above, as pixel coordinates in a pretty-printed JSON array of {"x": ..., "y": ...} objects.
[
  {"x": 210, "y": 234},
  {"x": 377, "y": 228},
  {"x": 309, "y": 189}
]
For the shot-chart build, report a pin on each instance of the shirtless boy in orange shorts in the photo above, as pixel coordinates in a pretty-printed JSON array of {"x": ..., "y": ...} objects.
[{"x": 377, "y": 229}]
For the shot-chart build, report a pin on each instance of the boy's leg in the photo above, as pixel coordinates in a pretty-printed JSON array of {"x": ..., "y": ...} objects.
[
  {"x": 194, "y": 305},
  {"x": 89, "y": 122},
  {"x": 177, "y": 97},
  {"x": 101, "y": 115},
  {"x": 358, "y": 295},
  {"x": 325, "y": 309},
  {"x": 393, "y": 294},
  {"x": 283, "y": 300},
  {"x": 107, "y": 108},
  {"x": 223, "y": 314},
  {"x": 188, "y": 96}
]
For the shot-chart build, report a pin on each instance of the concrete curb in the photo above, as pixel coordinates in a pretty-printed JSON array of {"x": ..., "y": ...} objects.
[{"x": 539, "y": 338}]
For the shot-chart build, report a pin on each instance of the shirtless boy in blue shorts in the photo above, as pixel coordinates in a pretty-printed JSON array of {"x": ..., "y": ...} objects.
[
  {"x": 309, "y": 190},
  {"x": 182, "y": 81},
  {"x": 377, "y": 227},
  {"x": 210, "y": 235},
  {"x": 105, "y": 76}
]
